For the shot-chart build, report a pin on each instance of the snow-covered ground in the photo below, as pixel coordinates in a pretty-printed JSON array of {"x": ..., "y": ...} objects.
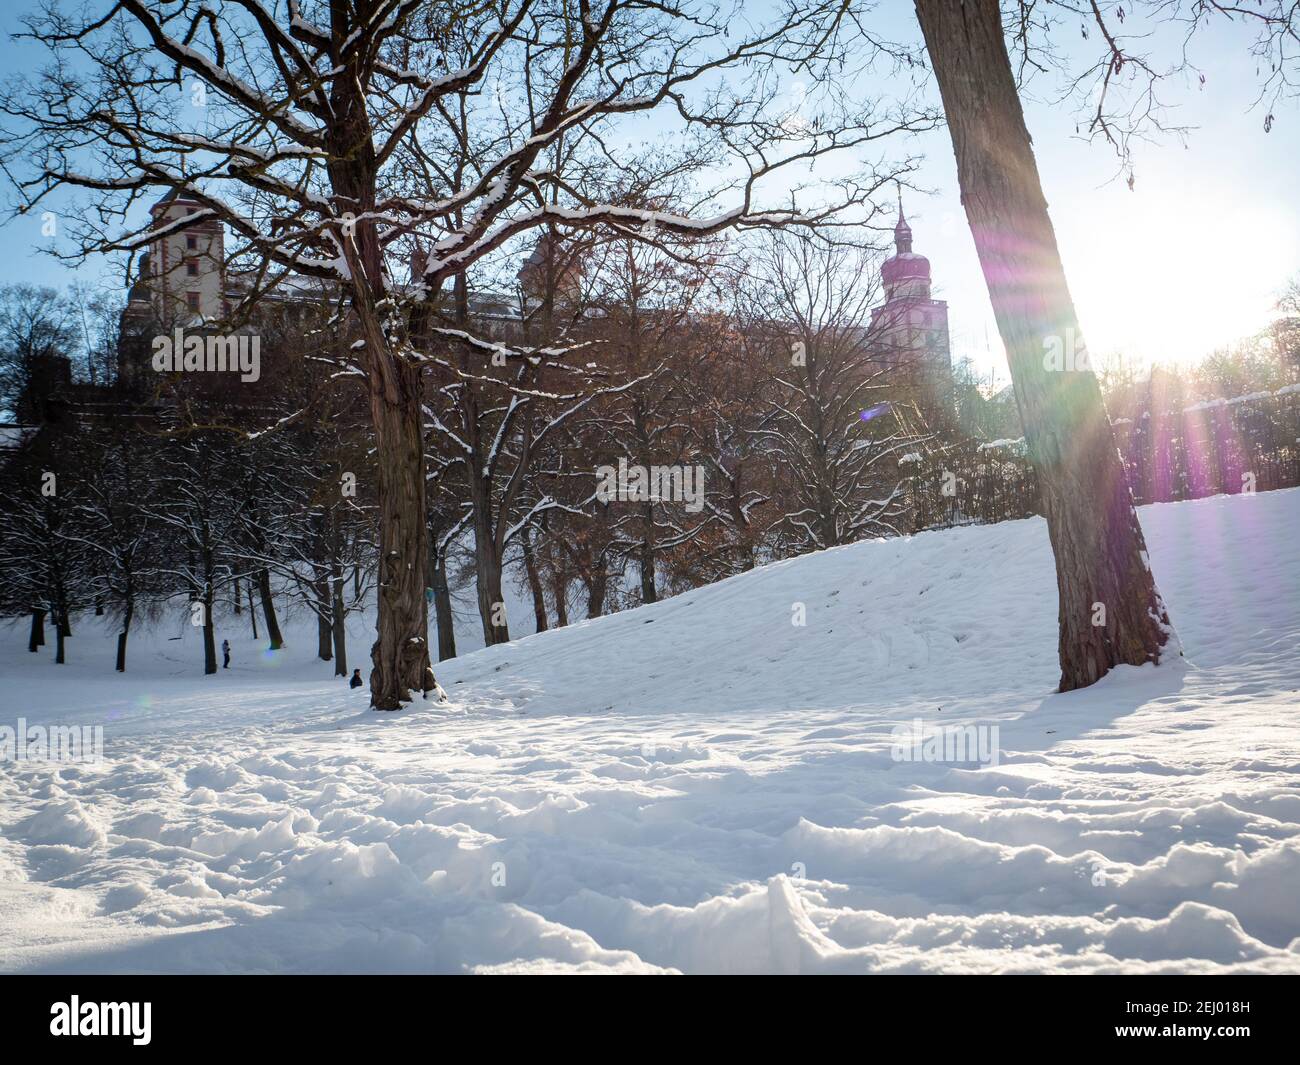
[{"x": 700, "y": 785}]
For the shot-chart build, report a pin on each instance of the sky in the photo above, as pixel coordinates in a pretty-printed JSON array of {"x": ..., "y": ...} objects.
[{"x": 1189, "y": 260}]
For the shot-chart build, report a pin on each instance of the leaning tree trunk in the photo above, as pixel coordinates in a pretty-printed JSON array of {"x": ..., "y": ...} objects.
[
  {"x": 268, "y": 609},
  {"x": 1110, "y": 610}
]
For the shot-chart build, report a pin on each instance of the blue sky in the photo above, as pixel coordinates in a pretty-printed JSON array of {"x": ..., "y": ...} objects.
[{"x": 1190, "y": 259}]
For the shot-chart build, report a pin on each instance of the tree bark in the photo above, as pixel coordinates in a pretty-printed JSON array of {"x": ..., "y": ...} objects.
[
  {"x": 338, "y": 629},
  {"x": 64, "y": 614},
  {"x": 647, "y": 556},
  {"x": 487, "y": 566},
  {"x": 401, "y": 650},
  {"x": 122, "y": 636},
  {"x": 1110, "y": 611},
  {"x": 596, "y": 588},
  {"x": 268, "y": 609},
  {"x": 534, "y": 580},
  {"x": 400, "y": 654},
  {"x": 442, "y": 609},
  {"x": 37, "y": 638},
  {"x": 209, "y": 633},
  {"x": 560, "y": 593},
  {"x": 252, "y": 613},
  {"x": 324, "y": 627}
]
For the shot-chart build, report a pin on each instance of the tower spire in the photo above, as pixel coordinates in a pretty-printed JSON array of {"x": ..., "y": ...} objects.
[{"x": 902, "y": 231}]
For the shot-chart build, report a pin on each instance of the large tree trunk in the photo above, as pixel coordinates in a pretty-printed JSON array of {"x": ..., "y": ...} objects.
[
  {"x": 401, "y": 650},
  {"x": 400, "y": 654},
  {"x": 1110, "y": 610},
  {"x": 268, "y": 609}
]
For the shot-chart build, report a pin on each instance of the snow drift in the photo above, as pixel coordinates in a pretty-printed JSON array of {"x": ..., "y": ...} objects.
[{"x": 701, "y": 785}]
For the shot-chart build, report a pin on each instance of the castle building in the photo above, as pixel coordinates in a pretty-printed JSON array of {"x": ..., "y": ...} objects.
[
  {"x": 908, "y": 334},
  {"x": 182, "y": 274}
]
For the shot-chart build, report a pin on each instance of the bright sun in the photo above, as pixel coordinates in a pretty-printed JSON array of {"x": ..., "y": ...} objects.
[{"x": 1148, "y": 284}]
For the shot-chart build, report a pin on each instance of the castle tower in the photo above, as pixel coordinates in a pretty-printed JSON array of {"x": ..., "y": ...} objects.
[
  {"x": 909, "y": 331},
  {"x": 184, "y": 271},
  {"x": 181, "y": 282}
]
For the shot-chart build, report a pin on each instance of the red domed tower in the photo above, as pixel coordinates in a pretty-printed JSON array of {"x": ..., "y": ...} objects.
[{"x": 909, "y": 331}]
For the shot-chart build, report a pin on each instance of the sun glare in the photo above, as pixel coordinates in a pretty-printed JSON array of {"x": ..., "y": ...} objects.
[{"x": 1156, "y": 290}]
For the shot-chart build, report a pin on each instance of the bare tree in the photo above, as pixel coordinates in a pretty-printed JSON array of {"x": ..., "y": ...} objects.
[
  {"x": 830, "y": 431},
  {"x": 310, "y": 111},
  {"x": 1110, "y": 609}
]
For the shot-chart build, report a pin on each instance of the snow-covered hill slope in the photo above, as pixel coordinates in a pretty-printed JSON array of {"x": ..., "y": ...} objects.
[{"x": 702, "y": 785}]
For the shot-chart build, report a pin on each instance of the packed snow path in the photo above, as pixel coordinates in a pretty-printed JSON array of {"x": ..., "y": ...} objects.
[{"x": 701, "y": 785}]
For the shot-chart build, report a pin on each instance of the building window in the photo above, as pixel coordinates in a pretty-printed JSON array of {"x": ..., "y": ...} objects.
[
  {"x": 192, "y": 243},
  {"x": 192, "y": 298},
  {"x": 192, "y": 267}
]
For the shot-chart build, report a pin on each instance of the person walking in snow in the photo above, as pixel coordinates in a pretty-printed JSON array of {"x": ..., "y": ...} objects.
[
  {"x": 225, "y": 654},
  {"x": 355, "y": 682}
]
